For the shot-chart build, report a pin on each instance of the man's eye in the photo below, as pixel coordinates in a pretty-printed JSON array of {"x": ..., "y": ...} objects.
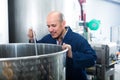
[{"x": 53, "y": 25}]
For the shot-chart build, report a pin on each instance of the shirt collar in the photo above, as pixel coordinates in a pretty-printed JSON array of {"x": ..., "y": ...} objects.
[{"x": 60, "y": 42}]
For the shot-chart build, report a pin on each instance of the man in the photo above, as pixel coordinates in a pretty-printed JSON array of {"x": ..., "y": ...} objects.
[{"x": 80, "y": 55}]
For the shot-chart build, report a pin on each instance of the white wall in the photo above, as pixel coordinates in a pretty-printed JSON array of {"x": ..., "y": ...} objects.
[
  {"x": 71, "y": 12},
  {"x": 108, "y": 13},
  {"x": 3, "y": 21}
]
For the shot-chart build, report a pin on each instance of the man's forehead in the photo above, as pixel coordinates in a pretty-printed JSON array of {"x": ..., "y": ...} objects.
[{"x": 52, "y": 20}]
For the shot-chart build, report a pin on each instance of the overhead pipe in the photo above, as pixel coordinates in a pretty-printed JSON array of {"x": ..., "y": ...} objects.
[{"x": 83, "y": 16}]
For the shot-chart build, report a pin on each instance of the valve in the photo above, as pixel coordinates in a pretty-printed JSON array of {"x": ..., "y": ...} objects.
[{"x": 93, "y": 24}]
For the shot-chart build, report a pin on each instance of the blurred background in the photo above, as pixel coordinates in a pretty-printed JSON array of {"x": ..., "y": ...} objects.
[{"x": 97, "y": 20}]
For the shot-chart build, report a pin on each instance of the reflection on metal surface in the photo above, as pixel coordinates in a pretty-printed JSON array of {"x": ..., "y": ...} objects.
[
  {"x": 47, "y": 65},
  {"x": 7, "y": 70}
]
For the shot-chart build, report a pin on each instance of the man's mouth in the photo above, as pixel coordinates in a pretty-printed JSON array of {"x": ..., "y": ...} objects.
[{"x": 52, "y": 33}]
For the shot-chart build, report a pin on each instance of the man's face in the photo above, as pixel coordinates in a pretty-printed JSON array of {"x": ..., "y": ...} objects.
[{"x": 55, "y": 27}]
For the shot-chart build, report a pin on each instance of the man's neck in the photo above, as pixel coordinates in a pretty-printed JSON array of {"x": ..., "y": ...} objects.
[{"x": 62, "y": 36}]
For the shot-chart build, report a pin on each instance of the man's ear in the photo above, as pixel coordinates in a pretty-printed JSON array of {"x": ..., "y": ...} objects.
[{"x": 64, "y": 23}]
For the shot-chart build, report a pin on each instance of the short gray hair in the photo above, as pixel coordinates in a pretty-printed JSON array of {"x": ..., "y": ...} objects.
[{"x": 62, "y": 18}]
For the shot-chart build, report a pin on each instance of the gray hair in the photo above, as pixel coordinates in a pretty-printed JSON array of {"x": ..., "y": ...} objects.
[{"x": 62, "y": 18}]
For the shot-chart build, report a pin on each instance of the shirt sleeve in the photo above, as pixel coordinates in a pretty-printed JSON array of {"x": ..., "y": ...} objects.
[{"x": 84, "y": 56}]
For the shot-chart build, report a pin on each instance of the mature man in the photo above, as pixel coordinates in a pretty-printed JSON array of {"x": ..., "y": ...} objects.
[{"x": 80, "y": 55}]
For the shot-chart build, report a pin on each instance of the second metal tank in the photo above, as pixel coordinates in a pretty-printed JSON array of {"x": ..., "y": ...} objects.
[{"x": 24, "y": 14}]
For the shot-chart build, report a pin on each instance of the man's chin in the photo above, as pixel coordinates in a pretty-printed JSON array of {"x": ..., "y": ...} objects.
[{"x": 54, "y": 37}]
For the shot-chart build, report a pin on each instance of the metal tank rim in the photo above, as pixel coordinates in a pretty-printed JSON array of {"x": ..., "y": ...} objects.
[{"x": 33, "y": 57}]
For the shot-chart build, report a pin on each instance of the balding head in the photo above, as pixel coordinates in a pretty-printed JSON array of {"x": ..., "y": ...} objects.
[
  {"x": 57, "y": 15},
  {"x": 56, "y": 24}
]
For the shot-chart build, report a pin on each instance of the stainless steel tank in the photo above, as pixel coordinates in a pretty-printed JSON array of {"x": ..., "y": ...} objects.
[
  {"x": 19, "y": 61},
  {"x": 24, "y": 14}
]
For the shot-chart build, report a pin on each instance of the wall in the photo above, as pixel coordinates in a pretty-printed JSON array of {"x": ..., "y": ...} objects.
[
  {"x": 109, "y": 15},
  {"x": 107, "y": 12},
  {"x": 3, "y": 21}
]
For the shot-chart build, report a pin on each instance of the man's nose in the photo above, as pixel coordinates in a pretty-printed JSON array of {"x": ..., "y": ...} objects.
[{"x": 50, "y": 29}]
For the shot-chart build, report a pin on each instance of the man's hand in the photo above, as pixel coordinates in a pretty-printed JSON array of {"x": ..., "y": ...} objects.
[
  {"x": 30, "y": 34},
  {"x": 69, "y": 52}
]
